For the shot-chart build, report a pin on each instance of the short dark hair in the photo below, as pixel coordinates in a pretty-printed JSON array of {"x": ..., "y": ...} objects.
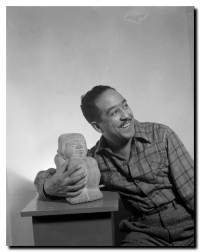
[{"x": 88, "y": 106}]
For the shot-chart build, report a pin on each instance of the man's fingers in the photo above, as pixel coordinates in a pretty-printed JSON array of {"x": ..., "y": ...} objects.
[
  {"x": 74, "y": 194},
  {"x": 63, "y": 167},
  {"x": 73, "y": 169},
  {"x": 76, "y": 187},
  {"x": 77, "y": 179}
]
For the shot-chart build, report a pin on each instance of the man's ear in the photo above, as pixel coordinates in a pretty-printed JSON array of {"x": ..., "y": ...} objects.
[{"x": 96, "y": 127}]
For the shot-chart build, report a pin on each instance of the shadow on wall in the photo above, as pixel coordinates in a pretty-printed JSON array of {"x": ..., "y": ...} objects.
[{"x": 20, "y": 191}]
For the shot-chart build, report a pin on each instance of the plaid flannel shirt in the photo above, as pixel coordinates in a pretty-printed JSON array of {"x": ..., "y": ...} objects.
[{"x": 159, "y": 170}]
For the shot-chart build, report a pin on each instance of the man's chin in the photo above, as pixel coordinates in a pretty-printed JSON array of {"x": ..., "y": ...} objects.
[{"x": 128, "y": 135}]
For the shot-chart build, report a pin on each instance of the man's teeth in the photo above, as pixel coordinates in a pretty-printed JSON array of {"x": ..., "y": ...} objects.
[{"x": 125, "y": 125}]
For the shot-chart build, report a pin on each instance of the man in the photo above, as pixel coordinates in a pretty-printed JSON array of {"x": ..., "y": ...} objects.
[{"x": 146, "y": 163}]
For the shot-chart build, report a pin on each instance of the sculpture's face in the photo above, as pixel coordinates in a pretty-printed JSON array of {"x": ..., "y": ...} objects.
[{"x": 75, "y": 147}]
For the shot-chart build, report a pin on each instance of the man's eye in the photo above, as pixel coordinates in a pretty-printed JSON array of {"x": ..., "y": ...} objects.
[{"x": 114, "y": 113}]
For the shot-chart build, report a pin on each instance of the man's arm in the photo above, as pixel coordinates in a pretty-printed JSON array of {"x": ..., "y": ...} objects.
[
  {"x": 52, "y": 182},
  {"x": 41, "y": 178},
  {"x": 181, "y": 168}
]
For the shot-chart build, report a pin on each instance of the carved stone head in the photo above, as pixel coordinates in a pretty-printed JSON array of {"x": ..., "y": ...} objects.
[{"x": 72, "y": 146}]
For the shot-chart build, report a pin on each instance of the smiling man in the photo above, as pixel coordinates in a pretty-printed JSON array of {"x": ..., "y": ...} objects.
[
  {"x": 116, "y": 122},
  {"x": 146, "y": 163}
]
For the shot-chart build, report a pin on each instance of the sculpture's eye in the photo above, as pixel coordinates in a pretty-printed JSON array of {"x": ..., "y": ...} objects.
[
  {"x": 79, "y": 146},
  {"x": 71, "y": 145}
]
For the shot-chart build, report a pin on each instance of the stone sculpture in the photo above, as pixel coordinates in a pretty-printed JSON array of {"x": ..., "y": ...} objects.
[{"x": 73, "y": 147}]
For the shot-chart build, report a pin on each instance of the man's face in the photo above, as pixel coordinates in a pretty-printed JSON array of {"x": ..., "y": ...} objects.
[{"x": 117, "y": 120}]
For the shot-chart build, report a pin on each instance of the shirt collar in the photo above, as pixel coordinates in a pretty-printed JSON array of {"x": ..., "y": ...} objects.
[
  {"x": 140, "y": 132},
  {"x": 101, "y": 144}
]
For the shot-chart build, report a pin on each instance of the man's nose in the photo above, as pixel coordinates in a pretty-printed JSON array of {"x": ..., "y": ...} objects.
[{"x": 124, "y": 115}]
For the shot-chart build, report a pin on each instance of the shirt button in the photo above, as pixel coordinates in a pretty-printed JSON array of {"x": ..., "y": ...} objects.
[
  {"x": 125, "y": 162},
  {"x": 137, "y": 181}
]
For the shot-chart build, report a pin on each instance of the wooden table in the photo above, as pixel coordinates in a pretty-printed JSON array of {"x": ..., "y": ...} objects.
[{"x": 57, "y": 223}]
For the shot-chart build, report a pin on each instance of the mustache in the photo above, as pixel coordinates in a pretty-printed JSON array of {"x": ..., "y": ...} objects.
[{"x": 127, "y": 120}]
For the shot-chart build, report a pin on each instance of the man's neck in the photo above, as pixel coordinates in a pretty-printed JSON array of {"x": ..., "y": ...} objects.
[{"x": 123, "y": 149}]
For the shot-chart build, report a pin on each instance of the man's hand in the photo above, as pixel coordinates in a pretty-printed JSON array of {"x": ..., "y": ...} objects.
[{"x": 62, "y": 185}]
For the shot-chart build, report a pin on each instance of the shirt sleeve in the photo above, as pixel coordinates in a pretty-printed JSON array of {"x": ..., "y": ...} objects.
[
  {"x": 181, "y": 168},
  {"x": 41, "y": 178}
]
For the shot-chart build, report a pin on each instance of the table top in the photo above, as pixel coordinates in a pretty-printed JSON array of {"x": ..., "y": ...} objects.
[{"x": 43, "y": 207}]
